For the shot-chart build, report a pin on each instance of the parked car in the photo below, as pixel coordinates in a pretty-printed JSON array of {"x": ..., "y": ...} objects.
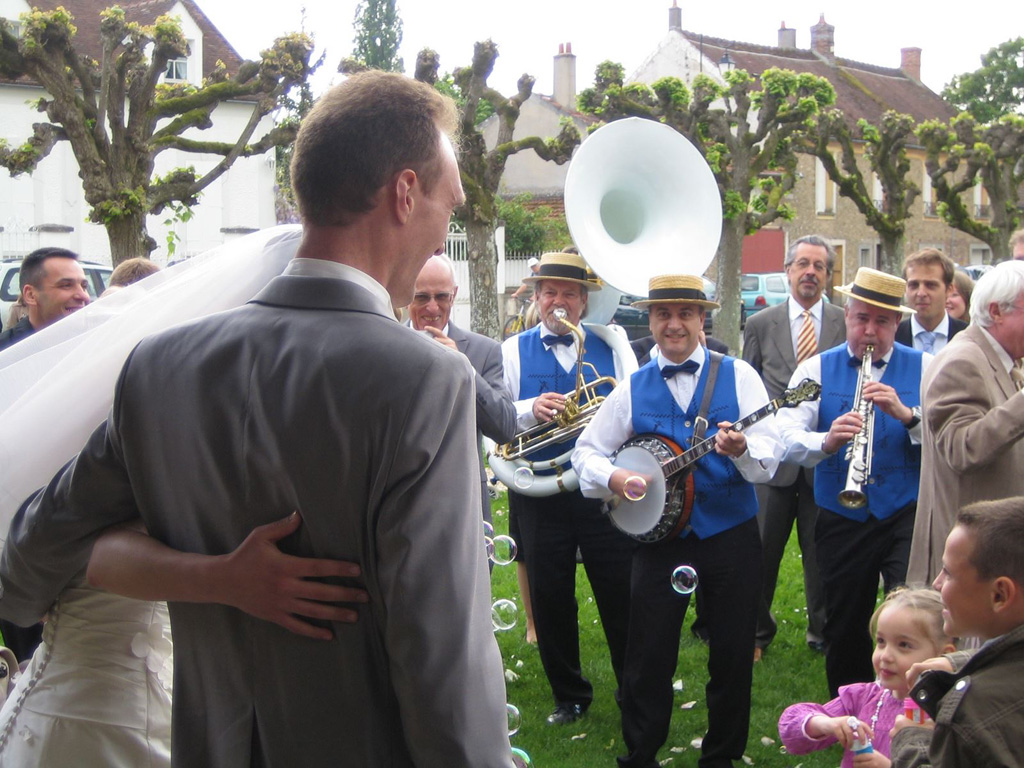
[
  {"x": 635, "y": 321},
  {"x": 974, "y": 271},
  {"x": 98, "y": 276},
  {"x": 763, "y": 290}
]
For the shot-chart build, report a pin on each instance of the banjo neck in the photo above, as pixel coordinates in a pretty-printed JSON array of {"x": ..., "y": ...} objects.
[{"x": 705, "y": 446}]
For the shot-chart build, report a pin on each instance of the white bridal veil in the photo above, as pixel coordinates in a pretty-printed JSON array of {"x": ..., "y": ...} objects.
[{"x": 57, "y": 386}]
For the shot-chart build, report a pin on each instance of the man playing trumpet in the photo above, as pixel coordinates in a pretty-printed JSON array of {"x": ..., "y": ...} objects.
[
  {"x": 540, "y": 368},
  {"x": 721, "y": 540},
  {"x": 868, "y": 531}
]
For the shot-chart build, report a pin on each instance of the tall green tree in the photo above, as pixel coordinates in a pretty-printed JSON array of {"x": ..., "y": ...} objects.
[
  {"x": 117, "y": 115},
  {"x": 994, "y": 90},
  {"x": 746, "y": 129},
  {"x": 482, "y": 168},
  {"x": 378, "y": 35},
  {"x": 884, "y": 148},
  {"x": 964, "y": 153}
]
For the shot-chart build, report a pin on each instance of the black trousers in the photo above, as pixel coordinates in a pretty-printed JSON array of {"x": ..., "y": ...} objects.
[
  {"x": 851, "y": 556},
  {"x": 552, "y": 527},
  {"x": 728, "y": 567},
  {"x": 779, "y": 507}
]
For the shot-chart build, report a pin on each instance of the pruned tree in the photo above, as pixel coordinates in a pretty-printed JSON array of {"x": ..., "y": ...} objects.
[
  {"x": 118, "y": 117},
  {"x": 745, "y": 129},
  {"x": 994, "y": 90},
  {"x": 482, "y": 168},
  {"x": 963, "y": 153},
  {"x": 884, "y": 147}
]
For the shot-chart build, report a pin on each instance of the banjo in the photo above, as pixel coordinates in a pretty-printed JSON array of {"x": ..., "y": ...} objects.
[{"x": 664, "y": 509}]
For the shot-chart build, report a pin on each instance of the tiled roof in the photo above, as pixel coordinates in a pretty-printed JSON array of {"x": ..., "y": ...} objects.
[
  {"x": 862, "y": 90},
  {"x": 86, "y": 15}
]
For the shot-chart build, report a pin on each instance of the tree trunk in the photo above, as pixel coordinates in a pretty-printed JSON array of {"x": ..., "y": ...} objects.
[
  {"x": 128, "y": 237},
  {"x": 893, "y": 247},
  {"x": 483, "y": 273},
  {"x": 730, "y": 264}
]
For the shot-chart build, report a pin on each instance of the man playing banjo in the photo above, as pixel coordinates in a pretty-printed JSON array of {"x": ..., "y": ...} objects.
[{"x": 719, "y": 540}]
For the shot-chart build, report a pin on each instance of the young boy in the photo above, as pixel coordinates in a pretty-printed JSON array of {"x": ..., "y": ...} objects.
[{"x": 977, "y": 707}]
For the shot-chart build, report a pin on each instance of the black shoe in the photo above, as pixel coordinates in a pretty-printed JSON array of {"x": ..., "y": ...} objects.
[
  {"x": 818, "y": 646},
  {"x": 566, "y": 713}
]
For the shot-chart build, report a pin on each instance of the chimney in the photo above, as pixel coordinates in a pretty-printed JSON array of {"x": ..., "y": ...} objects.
[
  {"x": 823, "y": 40},
  {"x": 675, "y": 17},
  {"x": 787, "y": 37},
  {"x": 910, "y": 62},
  {"x": 565, "y": 77}
]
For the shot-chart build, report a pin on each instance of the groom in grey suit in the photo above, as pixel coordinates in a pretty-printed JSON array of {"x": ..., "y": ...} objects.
[
  {"x": 430, "y": 313},
  {"x": 311, "y": 397},
  {"x": 771, "y": 345}
]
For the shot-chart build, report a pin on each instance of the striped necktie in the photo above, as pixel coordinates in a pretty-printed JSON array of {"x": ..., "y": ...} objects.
[{"x": 806, "y": 344}]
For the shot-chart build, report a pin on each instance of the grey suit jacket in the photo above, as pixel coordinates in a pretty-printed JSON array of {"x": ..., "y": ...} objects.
[
  {"x": 768, "y": 347},
  {"x": 972, "y": 447},
  {"x": 308, "y": 399},
  {"x": 495, "y": 411}
]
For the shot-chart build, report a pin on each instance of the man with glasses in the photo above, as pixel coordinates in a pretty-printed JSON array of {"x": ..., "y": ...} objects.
[
  {"x": 973, "y": 417},
  {"x": 430, "y": 313},
  {"x": 775, "y": 341}
]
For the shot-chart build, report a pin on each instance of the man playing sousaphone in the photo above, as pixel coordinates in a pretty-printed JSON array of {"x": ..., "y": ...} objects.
[
  {"x": 865, "y": 514},
  {"x": 720, "y": 540},
  {"x": 540, "y": 368}
]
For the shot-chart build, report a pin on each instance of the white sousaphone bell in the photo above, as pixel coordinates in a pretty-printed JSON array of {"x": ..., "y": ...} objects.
[{"x": 640, "y": 201}]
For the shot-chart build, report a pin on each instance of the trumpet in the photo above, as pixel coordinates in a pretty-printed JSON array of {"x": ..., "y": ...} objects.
[
  {"x": 858, "y": 452},
  {"x": 580, "y": 406}
]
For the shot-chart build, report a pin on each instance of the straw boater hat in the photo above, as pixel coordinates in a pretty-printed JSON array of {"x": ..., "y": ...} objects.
[
  {"x": 877, "y": 289},
  {"x": 676, "y": 289},
  {"x": 563, "y": 266}
]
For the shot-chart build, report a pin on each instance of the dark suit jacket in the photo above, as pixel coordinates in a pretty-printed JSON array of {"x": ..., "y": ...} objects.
[
  {"x": 306, "y": 398},
  {"x": 495, "y": 411},
  {"x": 768, "y": 347},
  {"x": 22, "y": 330},
  {"x": 903, "y": 335}
]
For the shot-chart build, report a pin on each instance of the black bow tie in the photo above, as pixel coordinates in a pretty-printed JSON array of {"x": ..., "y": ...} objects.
[
  {"x": 690, "y": 366},
  {"x": 550, "y": 341},
  {"x": 856, "y": 361}
]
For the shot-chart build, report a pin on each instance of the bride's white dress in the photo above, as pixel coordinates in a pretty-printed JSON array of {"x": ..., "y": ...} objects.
[{"x": 97, "y": 692}]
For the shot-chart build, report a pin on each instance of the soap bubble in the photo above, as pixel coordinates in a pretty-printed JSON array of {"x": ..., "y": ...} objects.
[
  {"x": 504, "y": 615},
  {"x": 502, "y": 550},
  {"x": 684, "y": 580},
  {"x": 522, "y": 478},
  {"x": 488, "y": 530},
  {"x": 520, "y": 759},
  {"x": 514, "y": 719},
  {"x": 489, "y": 548}
]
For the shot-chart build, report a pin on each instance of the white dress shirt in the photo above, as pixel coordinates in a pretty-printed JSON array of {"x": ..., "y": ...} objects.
[
  {"x": 613, "y": 425},
  {"x": 796, "y": 320},
  {"x": 941, "y": 332},
  {"x": 564, "y": 354},
  {"x": 797, "y": 425}
]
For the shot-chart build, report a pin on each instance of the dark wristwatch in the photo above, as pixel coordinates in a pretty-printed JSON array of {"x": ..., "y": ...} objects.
[{"x": 915, "y": 419}]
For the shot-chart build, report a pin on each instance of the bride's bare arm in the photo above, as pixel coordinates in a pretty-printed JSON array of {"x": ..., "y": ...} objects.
[{"x": 256, "y": 578}]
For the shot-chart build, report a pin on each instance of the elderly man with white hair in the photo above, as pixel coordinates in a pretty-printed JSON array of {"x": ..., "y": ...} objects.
[{"x": 973, "y": 417}]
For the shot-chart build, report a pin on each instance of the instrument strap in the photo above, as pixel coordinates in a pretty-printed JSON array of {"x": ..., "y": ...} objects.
[{"x": 700, "y": 424}]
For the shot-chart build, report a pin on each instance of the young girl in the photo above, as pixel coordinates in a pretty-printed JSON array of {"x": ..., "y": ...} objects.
[{"x": 907, "y": 627}]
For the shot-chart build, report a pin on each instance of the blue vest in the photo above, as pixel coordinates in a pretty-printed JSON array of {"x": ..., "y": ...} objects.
[
  {"x": 722, "y": 499},
  {"x": 895, "y": 461},
  {"x": 540, "y": 372}
]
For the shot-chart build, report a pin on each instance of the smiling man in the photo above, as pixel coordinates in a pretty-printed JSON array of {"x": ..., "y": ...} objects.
[
  {"x": 53, "y": 285},
  {"x": 721, "y": 541},
  {"x": 974, "y": 697},
  {"x": 929, "y": 276}
]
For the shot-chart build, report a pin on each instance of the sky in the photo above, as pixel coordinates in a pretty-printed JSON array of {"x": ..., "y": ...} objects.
[{"x": 528, "y": 32}]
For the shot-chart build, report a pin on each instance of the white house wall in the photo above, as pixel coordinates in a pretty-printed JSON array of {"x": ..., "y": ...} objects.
[{"x": 242, "y": 199}]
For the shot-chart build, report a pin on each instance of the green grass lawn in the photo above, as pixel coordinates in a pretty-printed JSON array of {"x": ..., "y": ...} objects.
[{"x": 788, "y": 673}]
